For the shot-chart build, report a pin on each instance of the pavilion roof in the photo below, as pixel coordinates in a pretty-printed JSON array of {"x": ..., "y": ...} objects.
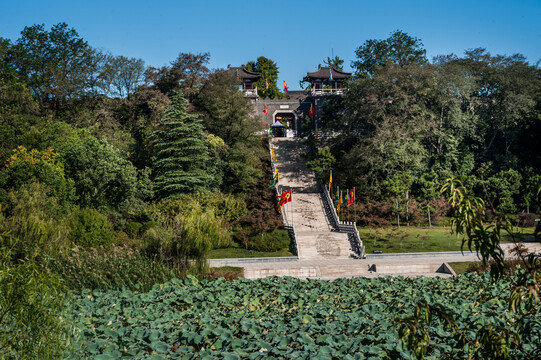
[
  {"x": 244, "y": 74},
  {"x": 324, "y": 72}
]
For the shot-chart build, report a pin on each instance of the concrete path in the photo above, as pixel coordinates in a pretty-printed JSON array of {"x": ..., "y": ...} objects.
[
  {"x": 292, "y": 168},
  {"x": 324, "y": 254},
  {"x": 314, "y": 235},
  {"x": 323, "y": 245},
  {"x": 330, "y": 269},
  {"x": 348, "y": 268},
  {"x": 307, "y": 214}
]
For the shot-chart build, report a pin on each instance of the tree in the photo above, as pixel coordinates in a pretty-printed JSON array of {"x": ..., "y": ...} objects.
[
  {"x": 124, "y": 75},
  {"x": 383, "y": 126},
  {"x": 506, "y": 91},
  {"x": 336, "y": 63},
  {"x": 228, "y": 116},
  {"x": 26, "y": 167},
  {"x": 187, "y": 73},
  {"x": 227, "y": 113},
  {"x": 181, "y": 154},
  {"x": 269, "y": 75},
  {"x": 104, "y": 178},
  {"x": 399, "y": 49},
  {"x": 54, "y": 63}
]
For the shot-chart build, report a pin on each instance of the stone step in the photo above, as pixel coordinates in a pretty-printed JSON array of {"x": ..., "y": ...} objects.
[
  {"x": 306, "y": 212},
  {"x": 291, "y": 166},
  {"x": 323, "y": 245},
  {"x": 330, "y": 270},
  {"x": 308, "y": 271}
]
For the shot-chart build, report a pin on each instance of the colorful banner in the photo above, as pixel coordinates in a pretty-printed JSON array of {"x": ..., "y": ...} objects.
[
  {"x": 284, "y": 198},
  {"x": 312, "y": 111},
  {"x": 351, "y": 197}
]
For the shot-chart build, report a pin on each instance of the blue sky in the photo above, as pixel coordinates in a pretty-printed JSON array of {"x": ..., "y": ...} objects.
[{"x": 298, "y": 35}]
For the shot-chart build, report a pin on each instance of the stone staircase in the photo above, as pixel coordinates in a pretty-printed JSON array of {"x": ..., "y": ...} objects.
[
  {"x": 323, "y": 245},
  {"x": 316, "y": 239}
]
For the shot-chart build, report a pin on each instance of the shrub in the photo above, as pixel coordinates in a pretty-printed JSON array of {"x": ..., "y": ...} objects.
[
  {"x": 156, "y": 240},
  {"x": 25, "y": 167},
  {"x": 132, "y": 229},
  {"x": 122, "y": 238},
  {"x": 526, "y": 219},
  {"x": 113, "y": 268},
  {"x": 31, "y": 307},
  {"x": 270, "y": 241},
  {"x": 35, "y": 219},
  {"x": 148, "y": 225},
  {"x": 89, "y": 228}
]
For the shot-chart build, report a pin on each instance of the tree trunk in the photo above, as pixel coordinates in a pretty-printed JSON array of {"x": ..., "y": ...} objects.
[
  {"x": 429, "y": 221},
  {"x": 397, "y": 213},
  {"x": 407, "y": 208}
]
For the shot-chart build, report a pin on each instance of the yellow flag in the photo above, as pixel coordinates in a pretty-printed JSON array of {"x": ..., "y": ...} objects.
[{"x": 330, "y": 181}]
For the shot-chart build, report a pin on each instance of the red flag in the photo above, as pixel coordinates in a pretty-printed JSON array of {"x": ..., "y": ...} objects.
[
  {"x": 265, "y": 109},
  {"x": 312, "y": 111},
  {"x": 351, "y": 197},
  {"x": 284, "y": 198},
  {"x": 285, "y": 86}
]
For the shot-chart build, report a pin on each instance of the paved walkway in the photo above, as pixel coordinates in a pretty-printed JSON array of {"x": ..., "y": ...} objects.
[
  {"x": 330, "y": 269},
  {"x": 324, "y": 254},
  {"x": 314, "y": 235}
]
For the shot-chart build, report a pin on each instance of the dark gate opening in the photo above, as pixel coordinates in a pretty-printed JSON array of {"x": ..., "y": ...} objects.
[{"x": 286, "y": 119}]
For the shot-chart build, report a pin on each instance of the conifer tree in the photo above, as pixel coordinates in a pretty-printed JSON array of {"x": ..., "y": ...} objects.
[{"x": 181, "y": 154}]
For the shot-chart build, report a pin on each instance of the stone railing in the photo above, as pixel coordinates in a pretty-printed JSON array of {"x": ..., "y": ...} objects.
[
  {"x": 327, "y": 91},
  {"x": 341, "y": 226},
  {"x": 250, "y": 92}
]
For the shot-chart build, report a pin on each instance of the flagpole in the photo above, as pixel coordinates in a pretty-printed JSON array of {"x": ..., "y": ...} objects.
[
  {"x": 355, "y": 208},
  {"x": 291, "y": 207},
  {"x": 347, "y": 198}
]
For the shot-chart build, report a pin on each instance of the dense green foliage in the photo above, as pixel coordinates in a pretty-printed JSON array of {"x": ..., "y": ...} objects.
[
  {"x": 181, "y": 152},
  {"x": 113, "y": 268},
  {"x": 291, "y": 318},
  {"x": 32, "y": 308},
  {"x": 89, "y": 228},
  {"x": 104, "y": 178},
  {"x": 266, "y": 86},
  {"x": 93, "y": 147},
  {"x": 406, "y": 124},
  {"x": 269, "y": 241}
]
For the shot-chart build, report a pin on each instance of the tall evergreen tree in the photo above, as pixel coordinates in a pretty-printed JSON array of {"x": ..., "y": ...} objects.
[
  {"x": 181, "y": 154},
  {"x": 269, "y": 75}
]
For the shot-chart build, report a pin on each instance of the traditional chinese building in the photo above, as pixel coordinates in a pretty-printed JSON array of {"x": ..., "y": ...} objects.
[
  {"x": 326, "y": 80},
  {"x": 294, "y": 108},
  {"x": 248, "y": 78}
]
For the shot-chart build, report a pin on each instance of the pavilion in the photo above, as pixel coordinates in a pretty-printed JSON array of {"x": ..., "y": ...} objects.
[{"x": 326, "y": 80}]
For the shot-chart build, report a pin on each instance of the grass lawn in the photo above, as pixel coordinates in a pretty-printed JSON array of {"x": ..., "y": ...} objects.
[
  {"x": 235, "y": 251},
  {"x": 228, "y": 272},
  {"x": 461, "y": 267},
  {"x": 417, "y": 239}
]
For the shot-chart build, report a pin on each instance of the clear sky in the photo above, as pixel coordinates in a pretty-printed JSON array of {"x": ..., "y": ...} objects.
[{"x": 298, "y": 35}]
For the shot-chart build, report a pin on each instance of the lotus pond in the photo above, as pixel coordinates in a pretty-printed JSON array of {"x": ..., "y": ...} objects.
[{"x": 284, "y": 318}]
